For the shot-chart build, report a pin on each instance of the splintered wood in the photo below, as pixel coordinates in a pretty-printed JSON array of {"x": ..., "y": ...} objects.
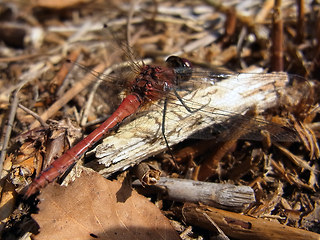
[{"x": 212, "y": 103}]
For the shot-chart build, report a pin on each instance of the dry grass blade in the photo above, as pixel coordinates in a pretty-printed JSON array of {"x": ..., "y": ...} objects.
[
  {"x": 295, "y": 159},
  {"x": 70, "y": 94}
]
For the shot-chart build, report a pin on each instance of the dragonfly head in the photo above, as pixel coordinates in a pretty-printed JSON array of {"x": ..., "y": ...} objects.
[{"x": 182, "y": 68}]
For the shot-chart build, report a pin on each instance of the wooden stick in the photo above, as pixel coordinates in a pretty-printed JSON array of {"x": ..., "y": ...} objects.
[
  {"x": 242, "y": 227},
  {"x": 147, "y": 174},
  {"x": 227, "y": 196},
  {"x": 277, "y": 39}
]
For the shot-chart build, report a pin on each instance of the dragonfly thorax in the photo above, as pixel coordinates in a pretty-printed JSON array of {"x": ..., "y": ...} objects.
[{"x": 152, "y": 83}]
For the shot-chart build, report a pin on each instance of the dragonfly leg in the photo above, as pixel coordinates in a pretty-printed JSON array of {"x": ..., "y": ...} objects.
[
  {"x": 163, "y": 129},
  {"x": 185, "y": 105}
]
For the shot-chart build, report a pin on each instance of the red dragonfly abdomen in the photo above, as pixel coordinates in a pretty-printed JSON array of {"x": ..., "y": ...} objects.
[{"x": 128, "y": 106}]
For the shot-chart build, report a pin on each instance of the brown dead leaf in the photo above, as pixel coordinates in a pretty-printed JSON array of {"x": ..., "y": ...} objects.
[{"x": 95, "y": 208}]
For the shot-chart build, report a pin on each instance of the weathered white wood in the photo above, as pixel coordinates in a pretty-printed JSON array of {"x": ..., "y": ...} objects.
[
  {"x": 226, "y": 196},
  {"x": 141, "y": 138}
]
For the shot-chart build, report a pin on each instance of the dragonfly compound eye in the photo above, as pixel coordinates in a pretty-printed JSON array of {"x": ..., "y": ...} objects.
[{"x": 181, "y": 66}]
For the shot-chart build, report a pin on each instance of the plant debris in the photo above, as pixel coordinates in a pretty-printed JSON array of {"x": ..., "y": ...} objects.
[{"x": 60, "y": 65}]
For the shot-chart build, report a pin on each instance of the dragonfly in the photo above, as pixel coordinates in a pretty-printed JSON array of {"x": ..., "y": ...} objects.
[{"x": 151, "y": 84}]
